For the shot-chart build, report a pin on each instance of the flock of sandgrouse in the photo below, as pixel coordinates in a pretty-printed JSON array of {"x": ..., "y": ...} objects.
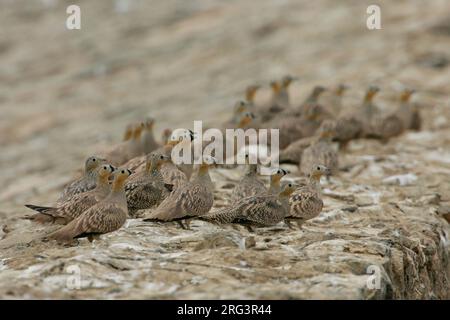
[{"x": 107, "y": 195}]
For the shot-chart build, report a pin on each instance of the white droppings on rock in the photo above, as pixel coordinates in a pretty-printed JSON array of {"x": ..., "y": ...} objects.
[{"x": 401, "y": 179}]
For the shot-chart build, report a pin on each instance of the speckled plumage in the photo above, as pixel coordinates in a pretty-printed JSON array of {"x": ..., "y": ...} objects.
[
  {"x": 259, "y": 210},
  {"x": 106, "y": 216},
  {"x": 85, "y": 183},
  {"x": 147, "y": 189},
  {"x": 333, "y": 100},
  {"x": 306, "y": 202},
  {"x": 75, "y": 205},
  {"x": 194, "y": 198}
]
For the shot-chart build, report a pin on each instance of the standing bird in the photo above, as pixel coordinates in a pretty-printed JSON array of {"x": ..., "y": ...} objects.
[
  {"x": 306, "y": 202},
  {"x": 292, "y": 128},
  {"x": 260, "y": 210},
  {"x": 148, "y": 139},
  {"x": 106, "y": 216},
  {"x": 321, "y": 151},
  {"x": 147, "y": 189},
  {"x": 75, "y": 205},
  {"x": 192, "y": 199},
  {"x": 249, "y": 185},
  {"x": 368, "y": 113},
  {"x": 85, "y": 183}
]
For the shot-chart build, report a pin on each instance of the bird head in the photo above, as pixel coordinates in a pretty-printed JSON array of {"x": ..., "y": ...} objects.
[
  {"x": 318, "y": 171},
  {"x": 287, "y": 188},
  {"x": 93, "y": 163}
]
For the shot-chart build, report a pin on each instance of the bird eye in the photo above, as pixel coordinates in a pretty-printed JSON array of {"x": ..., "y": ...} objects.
[
  {"x": 161, "y": 157},
  {"x": 94, "y": 159},
  {"x": 318, "y": 168},
  {"x": 123, "y": 171}
]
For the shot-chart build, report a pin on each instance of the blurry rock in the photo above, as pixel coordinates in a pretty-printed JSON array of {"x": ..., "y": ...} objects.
[
  {"x": 435, "y": 60},
  {"x": 225, "y": 238}
]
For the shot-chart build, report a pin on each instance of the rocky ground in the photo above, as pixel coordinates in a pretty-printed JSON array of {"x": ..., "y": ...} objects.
[{"x": 66, "y": 94}]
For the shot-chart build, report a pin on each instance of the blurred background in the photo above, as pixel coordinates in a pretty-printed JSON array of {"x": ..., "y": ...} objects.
[{"x": 65, "y": 94}]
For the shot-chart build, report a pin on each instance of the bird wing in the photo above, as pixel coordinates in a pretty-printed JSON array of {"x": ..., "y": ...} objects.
[
  {"x": 143, "y": 195},
  {"x": 305, "y": 203},
  {"x": 77, "y": 204},
  {"x": 191, "y": 199},
  {"x": 264, "y": 210}
]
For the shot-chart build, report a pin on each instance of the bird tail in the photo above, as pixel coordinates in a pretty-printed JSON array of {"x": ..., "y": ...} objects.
[
  {"x": 44, "y": 215},
  {"x": 41, "y": 209}
]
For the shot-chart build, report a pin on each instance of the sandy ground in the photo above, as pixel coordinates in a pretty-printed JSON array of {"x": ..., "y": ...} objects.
[{"x": 65, "y": 95}]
